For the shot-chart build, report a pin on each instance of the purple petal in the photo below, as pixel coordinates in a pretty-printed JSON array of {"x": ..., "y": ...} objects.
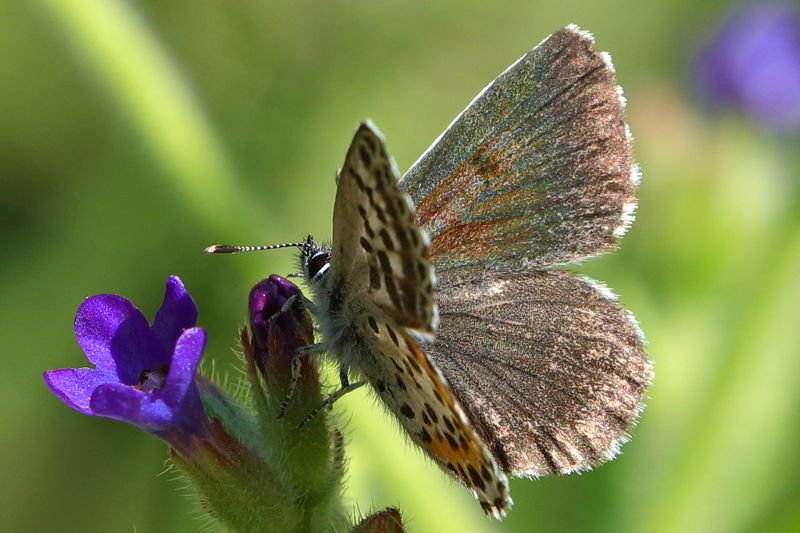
[
  {"x": 185, "y": 359},
  {"x": 75, "y": 385},
  {"x": 177, "y": 313},
  {"x": 97, "y": 322},
  {"x": 114, "y": 400}
]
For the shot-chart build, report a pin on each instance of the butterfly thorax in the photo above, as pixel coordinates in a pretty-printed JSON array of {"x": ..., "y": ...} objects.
[{"x": 335, "y": 313}]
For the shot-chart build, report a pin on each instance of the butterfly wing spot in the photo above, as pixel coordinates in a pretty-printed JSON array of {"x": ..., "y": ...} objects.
[
  {"x": 392, "y": 335},
  {"x": 366, "y": 245},
  {"x": 431, "y": 414},
  {"x": 366, "y": 156},
  {"x": 373, "y": 324}
]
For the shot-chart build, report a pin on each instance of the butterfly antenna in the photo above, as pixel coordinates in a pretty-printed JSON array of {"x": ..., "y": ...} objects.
[{"x": 233, "y": 249}]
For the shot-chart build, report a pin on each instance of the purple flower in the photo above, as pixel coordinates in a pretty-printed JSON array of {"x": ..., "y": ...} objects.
[
  {"x": 753, "y": 62},
  {"x": 143, "y": 374}
]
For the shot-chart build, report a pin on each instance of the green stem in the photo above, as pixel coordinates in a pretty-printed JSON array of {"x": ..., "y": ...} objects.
[{"x": 155, "y": 98}]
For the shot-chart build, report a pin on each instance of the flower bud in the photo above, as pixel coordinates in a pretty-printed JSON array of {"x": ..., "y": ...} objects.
[
  {"x": 312, "y": 456},
  {"x": 386, "y": 521},
  {"x": 280, "y": 324}
]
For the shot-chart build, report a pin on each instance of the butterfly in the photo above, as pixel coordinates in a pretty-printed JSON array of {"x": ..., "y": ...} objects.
[{"x": 440, "y": 290}]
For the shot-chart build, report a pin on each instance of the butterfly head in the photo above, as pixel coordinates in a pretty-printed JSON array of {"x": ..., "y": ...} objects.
[{"x": 315, "y": 260}]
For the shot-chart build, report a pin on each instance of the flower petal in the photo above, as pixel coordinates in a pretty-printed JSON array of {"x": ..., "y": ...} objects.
[
  {"x": 97, "y": 322},
  {"x": 185, "y": 359},
  {"x": 177, "y": 313},
  {"x": 75, "y": 385},
  {"x": 114, "y": 400}
]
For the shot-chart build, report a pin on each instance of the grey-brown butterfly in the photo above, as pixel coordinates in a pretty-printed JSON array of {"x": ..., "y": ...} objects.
[{"x": 523, "y": 369}]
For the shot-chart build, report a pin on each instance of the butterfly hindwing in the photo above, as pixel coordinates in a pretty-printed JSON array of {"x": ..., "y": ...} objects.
[
  {"x": 422, "y": 401},
  {"x": 376, "y": 243},
  {"x": 547, "y": 364},
  {"x": 536, "y": 171}
]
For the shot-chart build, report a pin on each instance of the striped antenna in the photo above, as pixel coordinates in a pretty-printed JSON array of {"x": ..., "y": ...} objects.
[{"x": 233, "y": 249}]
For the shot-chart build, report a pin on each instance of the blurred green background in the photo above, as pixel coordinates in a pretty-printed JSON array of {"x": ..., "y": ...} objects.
[{"x": 132, "y": 134}]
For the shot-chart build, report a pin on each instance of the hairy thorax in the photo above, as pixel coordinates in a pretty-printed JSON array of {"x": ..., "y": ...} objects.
[{"x": 339, "y": 313}]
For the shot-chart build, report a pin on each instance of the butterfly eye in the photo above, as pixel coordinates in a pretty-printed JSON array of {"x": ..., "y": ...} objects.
[{"x": 318, "y": 263}]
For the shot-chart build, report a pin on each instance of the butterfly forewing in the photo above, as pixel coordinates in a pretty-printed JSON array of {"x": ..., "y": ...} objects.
[
  {"x": 393, "y": 294},
  {"x": 419, "y": 396},
  {"x": 547, "y": 364},
  {"x": 536, "y": 171},
  {"x": 376, "y": 243}
]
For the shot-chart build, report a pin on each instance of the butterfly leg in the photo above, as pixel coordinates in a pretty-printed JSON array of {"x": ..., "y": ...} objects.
[
  {"x": 297, "y": 362},
  {"x": 329, "y": 401}
]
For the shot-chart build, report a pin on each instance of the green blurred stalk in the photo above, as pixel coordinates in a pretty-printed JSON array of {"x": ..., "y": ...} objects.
[
  {"x": 156, "y": 99},
  {"x": 735, "y": 465}
]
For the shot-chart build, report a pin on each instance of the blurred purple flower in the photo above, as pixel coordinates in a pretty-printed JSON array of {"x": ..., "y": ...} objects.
[
  {"x": 143, "y": 374},
  {"x": 753, "y": 62}
]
